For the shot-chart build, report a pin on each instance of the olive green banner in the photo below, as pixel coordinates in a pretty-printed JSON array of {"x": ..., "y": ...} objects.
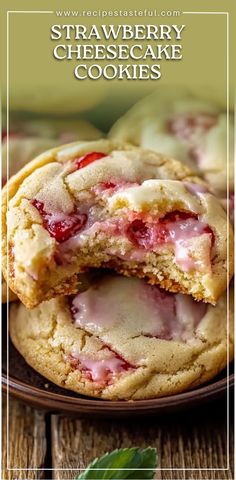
[{"x": 56, "y": 58}]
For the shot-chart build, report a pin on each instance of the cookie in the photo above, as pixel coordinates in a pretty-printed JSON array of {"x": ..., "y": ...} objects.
[
  {"x": 91, "y": 205},
  {"x": 7, "y": 294},
  {"x": 124, "y": 339},
  {"x": 27, "y": 139},
  {"x": 179, "y": 124}
]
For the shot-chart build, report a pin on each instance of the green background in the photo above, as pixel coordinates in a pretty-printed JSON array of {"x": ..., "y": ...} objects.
[{"x": 39, "y": 83}]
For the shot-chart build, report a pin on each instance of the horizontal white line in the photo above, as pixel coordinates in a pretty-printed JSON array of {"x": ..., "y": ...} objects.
[
  {"x": 208, "y": 13},
  {"x": 30, "y": 11}
]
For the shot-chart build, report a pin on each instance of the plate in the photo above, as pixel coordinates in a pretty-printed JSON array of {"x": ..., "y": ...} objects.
[{"x": 30, "y": 387}]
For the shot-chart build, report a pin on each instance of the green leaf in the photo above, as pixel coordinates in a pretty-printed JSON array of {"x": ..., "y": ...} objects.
[{"x": 126, "y": 463}]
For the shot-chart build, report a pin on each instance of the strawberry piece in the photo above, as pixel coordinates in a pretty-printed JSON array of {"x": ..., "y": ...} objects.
[
  {"x": 172, "y": 226},
  {"x": 191, "y": 129},
  {"x": 63, "y": 229},
  {"x": 140, "y": 233},
  {"x": 88, "y": 158},
  {"x": 40, "y": 207},
  {"x": 108, "y": 185},
  {"x": 184, "y": 126}
]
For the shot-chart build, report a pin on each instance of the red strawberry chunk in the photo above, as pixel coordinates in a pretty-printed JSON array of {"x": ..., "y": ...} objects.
[
  {"x": 64, "y": 228},
  {"x": 172, "y": 227},
  {"x": 88, "y": 158},
  {"x": 40, "y": 206},
  {"x": 140, "y": 233},
  {"x": 108, "y": 185}
]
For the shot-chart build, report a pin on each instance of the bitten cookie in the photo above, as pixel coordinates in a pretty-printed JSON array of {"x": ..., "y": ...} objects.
[
  {"x": 124, "y": 339},
  {"x": 179, "y": 124},
  {"x": 91, "y": 205},
  {"x": 27, "y": 139}
]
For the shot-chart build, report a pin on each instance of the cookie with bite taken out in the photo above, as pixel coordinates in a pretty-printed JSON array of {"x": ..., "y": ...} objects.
[
  {"x": 27, "y": 139},
  {"x": 104, "y": 204}
]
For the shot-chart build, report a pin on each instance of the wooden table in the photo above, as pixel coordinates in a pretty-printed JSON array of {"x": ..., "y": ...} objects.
[{"x": 194, "y": 439}]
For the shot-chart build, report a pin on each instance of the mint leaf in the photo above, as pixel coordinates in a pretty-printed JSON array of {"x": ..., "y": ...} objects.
[{"x": 126, "y": 463}]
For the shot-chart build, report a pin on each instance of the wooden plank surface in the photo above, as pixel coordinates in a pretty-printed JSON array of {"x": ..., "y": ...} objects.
[
  {"x": 193, "y": 439},
  {"x": 27, "y": 442}
]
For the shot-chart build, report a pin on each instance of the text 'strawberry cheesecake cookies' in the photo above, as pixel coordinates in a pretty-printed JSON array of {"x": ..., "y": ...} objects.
[
  {"x": 91, "y": 205},
  {"x": 182, "y": 125},
  {"x": 124, "y": 339}
]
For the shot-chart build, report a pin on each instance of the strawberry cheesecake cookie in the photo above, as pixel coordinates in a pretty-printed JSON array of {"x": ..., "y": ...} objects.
[
  {"x": 21, "y": 151},
  {"x": 124, "y": 339},
  {"x": 102, "y": 204},
  {"x": 182, "y": 125},
  {"x": 7, "y": 294},
  {"x": 29, "y": 138}
]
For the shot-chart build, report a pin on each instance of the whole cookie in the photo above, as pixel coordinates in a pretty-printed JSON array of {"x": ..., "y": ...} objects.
[
  {"x": 183, "y": 125},
  {"x": 124, "y": 339},
  {"x": 103, "y": 204}
]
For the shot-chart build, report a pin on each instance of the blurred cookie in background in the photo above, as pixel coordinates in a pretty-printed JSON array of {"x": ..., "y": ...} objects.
[
  {"x": 44, "y": 96},
  {"x": 183, "y": 125}
]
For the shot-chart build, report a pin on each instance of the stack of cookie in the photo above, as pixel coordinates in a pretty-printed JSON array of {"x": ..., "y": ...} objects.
[{"x": 121, "y": 257}]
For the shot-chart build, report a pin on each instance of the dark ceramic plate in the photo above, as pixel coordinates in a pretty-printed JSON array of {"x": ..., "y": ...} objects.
[{"x": 30, "y": 387}]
